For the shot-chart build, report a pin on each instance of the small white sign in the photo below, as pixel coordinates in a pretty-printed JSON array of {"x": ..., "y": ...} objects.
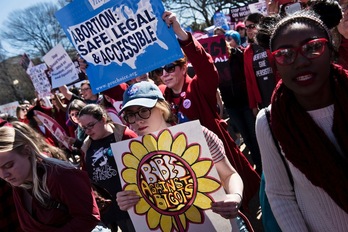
[{"x": 63, "y": 70}]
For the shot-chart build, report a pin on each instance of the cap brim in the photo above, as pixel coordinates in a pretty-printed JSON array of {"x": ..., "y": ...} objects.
[{"x": 145, "y": 102}]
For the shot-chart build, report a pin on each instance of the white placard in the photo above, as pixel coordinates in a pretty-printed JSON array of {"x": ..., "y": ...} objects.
[{"x": 63, "y": 70}]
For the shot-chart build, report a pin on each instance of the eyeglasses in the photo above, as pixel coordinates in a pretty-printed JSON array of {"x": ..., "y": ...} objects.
[
  {"x": 74, "y": 114},
  {"x": 250, "y": 26},
  {"x": 143, "y": 113},
  {"x": 170, "y": 68},
  {"x": 89, "y": 126},
  {"x": 85, "y": 89},
  {"x": 311, "y": 50}
]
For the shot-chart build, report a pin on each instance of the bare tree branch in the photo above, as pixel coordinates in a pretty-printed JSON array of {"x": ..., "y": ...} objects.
[{"x": 34, "y": 29}]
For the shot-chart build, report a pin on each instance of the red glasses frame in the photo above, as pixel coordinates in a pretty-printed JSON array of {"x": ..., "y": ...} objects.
[{"x": 311, "y": 49}]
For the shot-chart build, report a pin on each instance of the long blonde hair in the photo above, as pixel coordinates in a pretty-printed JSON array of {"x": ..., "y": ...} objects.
[
  {"x": 12, "y": 139},
  {"x": 40, "y": 142}
]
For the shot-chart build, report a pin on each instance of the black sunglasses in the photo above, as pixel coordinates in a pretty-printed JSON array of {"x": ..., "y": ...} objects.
[
  {"x": 250, "y": 26},
  {"x": 169, "y": 68}
]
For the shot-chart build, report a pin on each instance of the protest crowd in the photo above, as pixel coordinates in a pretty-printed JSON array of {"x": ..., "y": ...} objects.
[{"x": 271, "y": 107}]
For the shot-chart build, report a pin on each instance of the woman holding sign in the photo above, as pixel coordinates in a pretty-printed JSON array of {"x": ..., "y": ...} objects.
[
  {"x": 195, "y": 98},
  {"x": 145, "y": 109}
]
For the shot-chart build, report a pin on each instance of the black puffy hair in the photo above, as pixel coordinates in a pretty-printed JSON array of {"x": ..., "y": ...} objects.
[
  {"x": 329, "y": 11},
  {"x": 319, "y": 13},
  {"x": 265, "y": 29},
  {"x": 254, "y": 17}
]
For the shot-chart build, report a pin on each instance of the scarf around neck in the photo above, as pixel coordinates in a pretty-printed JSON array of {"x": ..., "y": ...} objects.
[{"x": 306, "y": 145}]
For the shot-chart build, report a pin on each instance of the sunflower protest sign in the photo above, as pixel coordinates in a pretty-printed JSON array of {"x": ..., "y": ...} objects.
[{"x": 173, "y": 172}]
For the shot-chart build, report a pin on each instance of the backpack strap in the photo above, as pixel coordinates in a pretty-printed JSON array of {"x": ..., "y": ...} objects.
[{"x": 268, "y": 116}]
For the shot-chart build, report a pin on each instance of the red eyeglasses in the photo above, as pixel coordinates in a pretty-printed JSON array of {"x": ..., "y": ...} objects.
[
  {"x": 311, "y": 50},
  {"x": 170, "y": 68}
]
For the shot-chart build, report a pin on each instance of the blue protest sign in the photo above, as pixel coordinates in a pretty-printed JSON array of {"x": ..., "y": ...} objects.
[
  {"x": 120, "y": 39},
  {"x": 220, "y": 20}
]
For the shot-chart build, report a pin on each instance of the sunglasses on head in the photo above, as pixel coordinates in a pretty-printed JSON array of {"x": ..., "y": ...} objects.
[
  {"x": 169, "y": 68},
  {"x": 311, "y": 49},
  {"x": 250, "y": 26}
]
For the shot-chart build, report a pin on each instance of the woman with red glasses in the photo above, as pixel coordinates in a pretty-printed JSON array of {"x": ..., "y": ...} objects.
[{"x": 307, "y": 179}]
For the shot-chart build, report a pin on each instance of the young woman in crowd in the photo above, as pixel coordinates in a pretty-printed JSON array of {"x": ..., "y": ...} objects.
[
  {"x": 195, "y": 98},
  {"x": 235, "y": 96},
  {"x": 21, "y": 113},
  {"x": 78, "y": 134},
  {"x": 49, "y": 194},
  {"x": 99, "y": 161},
  {"x": 86, "y": 93},
  {"x": 258, "y": 67},
  {"x": 145, "y": 109},
  {"x": 340, "y": 34},
  {"x": 308, "y": 117}
]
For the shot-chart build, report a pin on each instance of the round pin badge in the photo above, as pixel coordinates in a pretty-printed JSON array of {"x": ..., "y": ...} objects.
[{"x": 187, "y": 103}]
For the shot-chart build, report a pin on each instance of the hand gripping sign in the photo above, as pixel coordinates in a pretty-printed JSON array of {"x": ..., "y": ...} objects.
[{"x": 173, "y": 172}]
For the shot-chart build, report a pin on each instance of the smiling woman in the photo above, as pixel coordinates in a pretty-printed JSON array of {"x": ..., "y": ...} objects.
[{"x": 308, "y": 114}]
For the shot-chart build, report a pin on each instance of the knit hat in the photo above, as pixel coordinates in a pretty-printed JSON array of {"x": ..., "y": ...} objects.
[
  {"x": 240, "y": 25},
  {"x": 143, "y": 93},
  {"x": 234, "y": 35}
]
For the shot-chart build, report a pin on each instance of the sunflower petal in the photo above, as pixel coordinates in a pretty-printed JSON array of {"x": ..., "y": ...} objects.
[
  {"x": 191, "y": 154},
  {"x": 138, "y": 149},
  {"x": 194, "y": 215},
  {"x": 129, "y": 175},
  {"x": 133, "y": 187},
  {"x": 179, "y": 145},
  {"x": 153, "y": 218},
  {"x": 130, "y": 161},
  {"x": 165, "y": 141},
  {"x": 202, "y": 201},
  {"x": 201, "y": 168},
  {"x": 142, "y": 206},
  {"x": 206, "y": 185},
  {"x": 166, "y": 223},
  {"x": 150, "y": 143},
  {"x": 182, "y": 218}
]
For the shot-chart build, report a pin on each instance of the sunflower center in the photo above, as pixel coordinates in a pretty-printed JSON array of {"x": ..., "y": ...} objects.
[{"x": 167, "y": 182}]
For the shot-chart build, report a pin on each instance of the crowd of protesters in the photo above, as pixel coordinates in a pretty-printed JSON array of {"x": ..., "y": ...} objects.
[{"x": 260, "y": 66}]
